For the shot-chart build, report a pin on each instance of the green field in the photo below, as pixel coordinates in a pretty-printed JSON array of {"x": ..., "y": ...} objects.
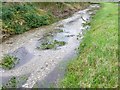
[{"x": 97, "y": 63}]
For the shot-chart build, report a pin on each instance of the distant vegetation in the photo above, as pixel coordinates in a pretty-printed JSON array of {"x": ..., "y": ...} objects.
[{"x": 18, "y": 18}]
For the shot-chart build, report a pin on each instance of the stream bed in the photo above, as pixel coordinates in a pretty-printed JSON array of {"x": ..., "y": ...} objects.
[{"x": 44, "y": 53}]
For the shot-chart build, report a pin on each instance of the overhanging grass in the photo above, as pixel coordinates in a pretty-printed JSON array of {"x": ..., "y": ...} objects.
[{"x": 97, "y": 63}]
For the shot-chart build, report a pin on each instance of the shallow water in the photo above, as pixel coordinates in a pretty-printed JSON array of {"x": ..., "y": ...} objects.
[{"x": 45, "y": 65}]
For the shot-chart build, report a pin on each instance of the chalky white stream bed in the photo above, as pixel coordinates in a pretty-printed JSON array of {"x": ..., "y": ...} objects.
[{"x": 45, "y": 67}]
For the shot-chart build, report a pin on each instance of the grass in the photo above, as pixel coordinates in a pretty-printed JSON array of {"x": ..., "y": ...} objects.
[
  {"x": 97, "y": 62},
  {"x": 8, "y": 62}
]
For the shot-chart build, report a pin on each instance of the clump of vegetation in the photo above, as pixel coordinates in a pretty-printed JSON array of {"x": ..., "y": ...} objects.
[
  {"x": 34, "y": 21},
  {"x": 15, "y": 82},
  {"x": 8, "y": 62},
  {"x": 51, "y": 45},
  {"x": 12, "y": 83}
]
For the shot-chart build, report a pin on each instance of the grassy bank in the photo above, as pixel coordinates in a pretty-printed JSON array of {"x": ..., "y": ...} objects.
[
  {"x": 97, "y": 62},
  {"x": 18, "y": 18}
]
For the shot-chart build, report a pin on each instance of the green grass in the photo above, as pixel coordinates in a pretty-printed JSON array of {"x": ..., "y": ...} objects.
[{"x": 97, "y": 62}]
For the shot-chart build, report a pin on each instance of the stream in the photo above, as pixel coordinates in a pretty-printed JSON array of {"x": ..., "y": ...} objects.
[{"x": 44, "y": 53}]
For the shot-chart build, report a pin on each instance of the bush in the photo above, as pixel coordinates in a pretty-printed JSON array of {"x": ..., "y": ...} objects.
[{"x": 34, "y": 20}]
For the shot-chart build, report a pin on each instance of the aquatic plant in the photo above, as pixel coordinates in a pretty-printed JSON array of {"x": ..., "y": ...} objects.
[
  {"x": 51, "y": 45},
  {"x": 8, "y": 62}
]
